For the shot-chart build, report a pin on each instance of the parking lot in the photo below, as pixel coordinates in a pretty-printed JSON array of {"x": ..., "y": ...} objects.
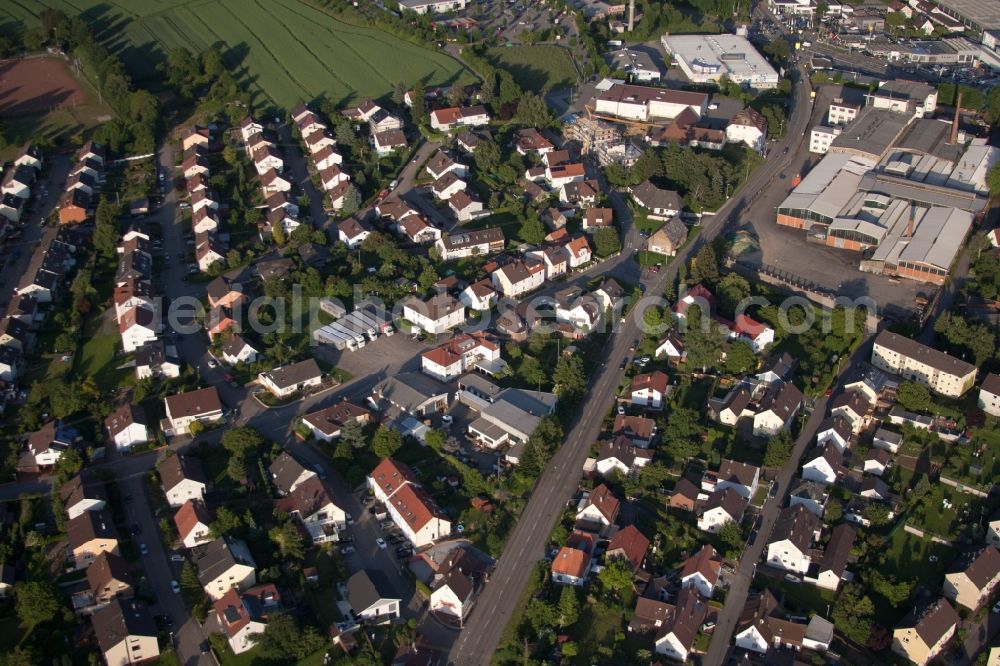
[{"x": 382, "y": 357}]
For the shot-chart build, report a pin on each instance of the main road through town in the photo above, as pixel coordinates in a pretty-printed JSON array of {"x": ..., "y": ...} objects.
[{"x": 558, "y": 482}]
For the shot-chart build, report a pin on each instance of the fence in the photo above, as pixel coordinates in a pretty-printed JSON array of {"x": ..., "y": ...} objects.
[{"x": 964, "y": 488}]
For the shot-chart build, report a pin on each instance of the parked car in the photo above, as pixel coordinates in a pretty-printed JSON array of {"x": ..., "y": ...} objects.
[
  {"x": 380, "y": 542},
  {"x": 175, "y": 586},
  {"x": 143, "y": 550},
  {"x": 176, "y": 557},
  {"x": 346, "y": 550}
]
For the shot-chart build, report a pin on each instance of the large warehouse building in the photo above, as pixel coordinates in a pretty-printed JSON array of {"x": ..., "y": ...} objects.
[{"x": 707, "y": 58}]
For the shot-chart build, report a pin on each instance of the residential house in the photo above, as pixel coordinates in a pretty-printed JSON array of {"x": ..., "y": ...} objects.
[
  {"x": 577, "y": 309},
  {"x": 454, "y": 583},
  {"x": 461, "y": 354},
  {"x": 721, "y": 507},
  {"x": 668, "y": 239},
  {"x": 755, "y": 333},
  {"x": 598, "y": 218},
  {"x": 184, "y": 409},
  {"x": 90, "y": 534},
  {"x": 471, "y": 243},
  {"x": 741, "y": 477},
  {"x": 877, "y": 462},
  {"x": 133, "y": 293},
  {"x": 553, "y": 257},
  {"x": 74, "y": 207},
  {"x": 989, "y": 395},
  {"x": 388, "y": 142},
  {"x": 972, "y": 578},
  {"x": 479, "y": 296},
  {"x": 675, "y": 639},
  {"x": 888, "y": 440},
  {"x": 735, "y": 406},
  {"x": 619, "y": 454},
  {"x": 287, "y": 473},
  {"x": 225, "y": 293},
  {"x": 18, "y": 181},
  {"x": 450, "y": 118},
  {"x": 578, "y": 251},
  {"x": 46, "y": 445},
  {"x": 311, "y": 503},
  {"x": 207, "y": 251},
  {"x": 512, "y": 416},
  {"x": 468, "y": 141},
  {"x": 30, "y": 155},
  {"x": 11, "y": 360},
  {"x": 127, "y": 426},
  {"x": 789, "y": 546},
  {"x": 207, "y": 200},
  {"x": 760, "y": 629},
  {"x": 580, "y": 194},
  {"x": 238, "y": 624},
  {"x": 81, "y": 494},
  {"x": 925, "y": 631},
  {"x": 518, "y": 277},
  {"x": 410, "y": 506},
  {"x": 684, "y": 496},
  {"x": 289, "y": 379},
  {"x": 223, "y": 564},
  {"x": 438, "y": 314},
  {"x": 748, "y": 127},
  {"x": 852, "y": 407},
  {"x": 672, "y": 346},
  {"x": 137, "y": 327},
  {"x": 702, "y": 570},
  {"x": 182, "y": 478},
  {"x": 832, "y": 566},
  {"x": 352, "y": 233},
  {"x": 196, "y": 136},
  {"x": 697, "y": 295},
  {"x": 109, "y": 578},
  {"x": 571, "y": 566},
  {"x": 126, "y": 633},
  {"x": 465, "y": 207},
  {"x": 325, "y": 424},
  {"x": 249, "y": 127},
  {"x": 628, "y": 545},
  {"x": 530, "y": 140},
  {"x": 661, "y": 204},
  {"x": 813, "y": 495},
  {"x": 327, "y": 157},
  {"x": 776, "y": 410},
  {"x": 649, "y": 390},
  {"x": 193, "y": 522},
  {"x": 639, "y": 429},
  {"x": 911, "y": 360},
  {"x": 413, "y": 393},
  {"x": 363, "y": 112},
  {"x": 155, "y": 359},
  {"x": 600, "y": 507},
  {"x": 824, "y": 464},
  {"x": 835, "y": 430},
  {"x": 441, "y": 163}
]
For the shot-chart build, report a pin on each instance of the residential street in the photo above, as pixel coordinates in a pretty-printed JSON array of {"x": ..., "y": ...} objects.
[{"x": 481, "y": 636}]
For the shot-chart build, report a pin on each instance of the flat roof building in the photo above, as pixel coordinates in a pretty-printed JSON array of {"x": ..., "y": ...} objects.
[
  {"x": 707, "y": 58},
  {"x": 977, "y": 14}
]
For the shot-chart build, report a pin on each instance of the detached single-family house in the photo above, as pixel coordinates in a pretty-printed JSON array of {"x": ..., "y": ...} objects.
[
  {"x": 789, "y": 546},
  {"x": 669, "y": 238},
  {"x": 81, "y": 494},
  {"x": 823, "y": 464},
  {"x": 684, "y": 496},
  {"x": 461, "y": 354},
  {"x": 137, "y": 327},
  {"x": 757, "y": 334},
  {"x": 760, "y": 629},
  {"x": 518, "y": 277},
  {"x": 287, "y": 473},
  {"x": 971, "y": 579},
  {"x": 223, "y": 564},
  {"x": 672, "y": 347},
  {"x": 748, "y": 127},
  {"x": 813, "y": 495},
  {"x": 989, "y": 395},
  {"x": 598, "y": 218},
  {"x": 90, "y": 534},
  {"x": 741, "y": 477},
  {"x": 352, "y": 233},
  {"x": 830, "y": 570},
  {"x": 649, "y": 390},
  {"x": 46, "y": 445},
  {"x": 182, "y": 478},
  {"x": 578, "y": 251},
  {"x": 450, "y": 118},
  {"x": 639, "y": 429},
  {"x": 371, "y": 596},
  {"x": 661, "y": 204},
  {"x": 835, "y": 430},
  {"x": 675, "y": 639},
  {"x": 599, "y": 507},
  {"x": 311, "y": 503},
  {"x": 925, "y": 631},
  {"x": 410, "y": 506},
  {"x": 288, "y": 379},
  {"x": 852, "y": 407},
  {"x": 326, "y": 423},
  {"x": 183, "y": 409},
  {"x": 877, "y": 461},
  {"x": 193, "y": 523},
  {"x": 721, "y": 507},
  {"x": 702, "y": 570},
  {"x": 888, "y": 440},
  {"x": 438, "y": 314},
  {"x": 127, "y": 426},
  {"x": 629, "y": 545},
  {"x": 108, "y": 578},
  {"x": 454, "y": 583},
  {"x": 240, "y": 618},
  {"x": 621, "y": 455},
  {"x": 125, "y": 633},
  {"x": 155, "y": 359},
  {"x": 413, "y": 393},
  {"x": 571, "y": 566},
  {"x": 777, "y": 409},
  {"x": 465, "y": 207},
  {"x": 442, "y": 163},
  {"x": 479, "y": 296}
]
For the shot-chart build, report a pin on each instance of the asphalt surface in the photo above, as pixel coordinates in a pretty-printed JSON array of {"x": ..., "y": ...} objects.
[{"x": 479, "y": 639}]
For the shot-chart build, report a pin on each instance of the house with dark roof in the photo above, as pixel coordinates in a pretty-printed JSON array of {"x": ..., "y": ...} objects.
[
  {"x": 621, "y": 455},
  {"x": 156, "y": 359},
  {"x": 90, "y": 534},
  {"x": 108, "y": 577},
  {"x": 721, "y": 507},
  {"x": 830, "y": 570},
  {"x": 629, "y": 545},
  {"x": 639, "y": 429},
  {"x": 741, "y": 477},
  {"x": 684, "y": 496},
  {"x": 813, "y": 495},
  {"x": 289, "y": 379},
  {"x": 82, "y": 493},
  {"x": 236, "y": 350},
  {"x": 790, "y": 544},
  {"x": 599, "y": 507},
  {"x": 311, "y": 504},
  {"x": 326, "y": 423},
  {"x": 126, "y": 633},
  {"x": 182, "y": 478},
  {"x": 836, "y": 430},
  {"x": 223, "y": 564},
  {"x": 649, "y": 389},
  {"x": 989, "y": 395},
  {"x": 925, "y": 631},
  {"x": 776, "y": 410},
  {"x": 455, "y": 582},
  {"x": 823, "y": 464},
  {"x": 675, "y": 637},
  {"x": 127, "y": 426},
  {"x": 734, "y": 407},
  {"x": 669, "y": 238},
  {"x": 972, "y": 578},
  {"x": 372, "y": 596},
  {"x": 183, "y": 409},
  {"x": 853, "y": 407},
  {"x": 760, "y": 627},
  {"x": 661, "y": 204}
]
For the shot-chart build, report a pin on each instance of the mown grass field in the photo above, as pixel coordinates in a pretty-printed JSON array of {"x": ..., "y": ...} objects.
[
  {"x": 283, "y": 50},
  {"x": 536, "y": 68}
]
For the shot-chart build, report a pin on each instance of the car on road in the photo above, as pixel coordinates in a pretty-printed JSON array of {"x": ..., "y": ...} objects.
[
  {"x": 447, "y": 419},
  {"x": 134, "y": 528},
  {"x": 204, "y": 647},
  {"x": 346, "y": 550},
  {"x": 175, "y": 586},
  {"x": 621, "y": 410},
  {"x": 349, "y": 518},
  {"x": 624, "y": 363},
  {"x": 177, "y": 557},
  {"x": 380, "y": 542},
  {"x": 394, "y": 184},
  {"x": 143, "y": 549},
  {"x": 212, "y": 363}
]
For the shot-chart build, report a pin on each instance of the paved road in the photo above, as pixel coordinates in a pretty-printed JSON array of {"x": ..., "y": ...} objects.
[
  {"x": 739, "y": 585},
  {"x": 557, "y": 483}
]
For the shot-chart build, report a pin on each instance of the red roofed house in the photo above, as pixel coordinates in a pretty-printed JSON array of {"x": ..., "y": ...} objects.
[
  {"x": 462, "y": 354},
  {"x": 701, "y": 571},
  {"x": 193, "y": 521},
  {"x": 697, "y": 295},
  {"x": 137, "y": 327},
  {"x": 757, "y": 334},
  {"x": 650, "y": 390},
  {"x": 409, "y": 505},
  {"x": 630, "y": 545},
  {"x": 600, "y": 507},
  {"x": 571, "y": 566},
  {"x": 577, "y": 251}
]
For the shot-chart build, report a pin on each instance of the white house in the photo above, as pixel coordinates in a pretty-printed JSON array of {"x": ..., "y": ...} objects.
[
  {"x": 721, "y": 507},
  {"x": 989, "y": 395},
  {"x": 748, "y": 127},
  {"x": 757, "y": 334},
  {"x": 649, "y": 390},
  {"x": 311, "y": 503},
  {"x": 571, "y": 566},
  {"x": 183, "y": 409},
  {"x": 436, "y": 315},
  {"x": 193, "y": 523},
  {"x": 676, "y": 638},
  {"x": 823, "y": 464},
  {"x": 81, "y": 494},
  {"x": 126, "y": 426},
  {"x": 452, "y": 117},
  {"x": 237, "y": 623},
  {"x": 370, "y": 596},
  {"x": 352, "y": 233},
  {"x": 182, "y": 479},
  {"x": 702, "y": 570},
  {"x": 776, "y": 410},
  {"x": 888, "y": 440},
  {"x": 518, "y": 277},
  {"x": 462, "y": 354},
  {"x": 288, "y": 379},
  {"x": 578, "y": 251},
  {"x": 741, "y": 477},
  {"x": 137, "y": 327},
  {"x": 834, "y": 430},
  {"x": 479, "y": 295},
  {"x": 789, "y": 546},
  {"x": 622, "y": 456},
  {"x": 465, "y": 207},
  {"x": 599, "y": 507},
  {"x": 237, "y": 350},
  {"x": 410, "y": 507},
  {"x": 223, "y": 564}
]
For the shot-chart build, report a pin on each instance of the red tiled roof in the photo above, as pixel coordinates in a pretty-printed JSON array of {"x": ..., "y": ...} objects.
[{"x": 631, "y": 543}]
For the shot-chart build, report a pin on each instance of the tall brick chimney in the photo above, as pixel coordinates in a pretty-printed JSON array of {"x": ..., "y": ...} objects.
[
  {"x": 954, "y": 124},
  {"x": 631, "y": 15}
]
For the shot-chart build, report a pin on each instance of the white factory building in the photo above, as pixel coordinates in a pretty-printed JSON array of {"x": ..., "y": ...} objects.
[{"x": 707, "y": 58}]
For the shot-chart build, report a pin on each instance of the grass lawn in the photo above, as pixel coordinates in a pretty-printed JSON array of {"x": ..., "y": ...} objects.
[
  {"x": 647, "y": 258},
  {"x": 281, "y": 51},
  {"x": 907, "y": 557},
  {"x": 96, "y": 358},
  {"x": 931, "y": 515},
  {"x": 536, "y": 68},
  {"x": 800, "y": 597}
]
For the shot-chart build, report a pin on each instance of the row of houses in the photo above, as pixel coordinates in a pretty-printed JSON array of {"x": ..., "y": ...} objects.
[
  {"x": 325, "y": 159},
  {"x": 79, "y": 200},
  {"x": 209, "y": 247},
  {"x": 15, "y": 189},
  {"x": 449, "y": 186},
  {"x": 385, "y": 129}
]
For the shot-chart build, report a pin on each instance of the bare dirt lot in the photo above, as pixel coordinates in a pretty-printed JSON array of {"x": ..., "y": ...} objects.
[{"x": 37, "y": 85}]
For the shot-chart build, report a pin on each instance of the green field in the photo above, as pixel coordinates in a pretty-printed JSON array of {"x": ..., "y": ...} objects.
[
  {"x": 282, "y": 50},
  {"x": 536, "y": 68}
]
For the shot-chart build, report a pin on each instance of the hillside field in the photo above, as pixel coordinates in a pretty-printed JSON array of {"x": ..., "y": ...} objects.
[
  {"x": 282, "y": 50},
  {"x": 536, "y": 68}
]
